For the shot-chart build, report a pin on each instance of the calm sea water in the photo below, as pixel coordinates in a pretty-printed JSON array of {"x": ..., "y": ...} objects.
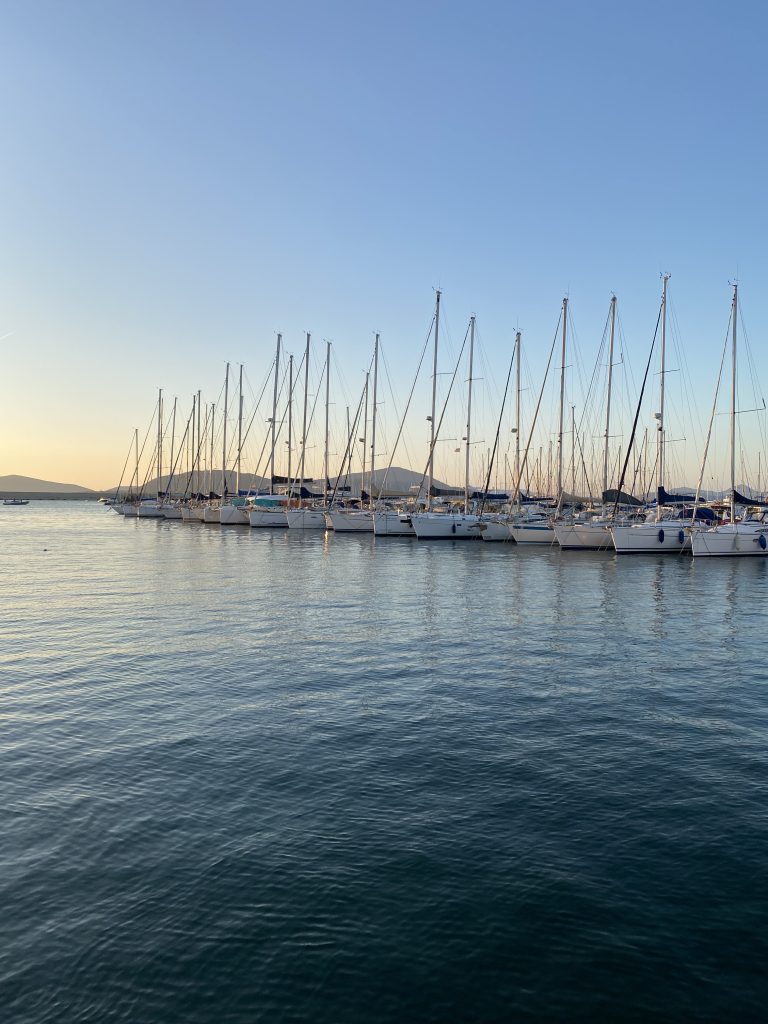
[{"x": 260, "y": 776}]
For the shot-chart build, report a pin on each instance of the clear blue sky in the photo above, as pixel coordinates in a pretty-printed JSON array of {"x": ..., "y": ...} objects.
[{"x": 180, "y": 180}]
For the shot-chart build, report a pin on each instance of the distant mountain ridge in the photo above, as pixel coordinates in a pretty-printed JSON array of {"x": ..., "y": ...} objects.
[{"x": 30, "y": 485}]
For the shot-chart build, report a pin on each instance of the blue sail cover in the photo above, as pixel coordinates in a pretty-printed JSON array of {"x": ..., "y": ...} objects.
[
  {"x": 663, "y": 497},
  {"x": 740, "y": 499}
]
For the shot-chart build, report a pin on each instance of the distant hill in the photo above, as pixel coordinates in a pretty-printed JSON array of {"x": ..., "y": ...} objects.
[
  {"x": 399, "y": 481},
  {"x": 16, "y": 484}
]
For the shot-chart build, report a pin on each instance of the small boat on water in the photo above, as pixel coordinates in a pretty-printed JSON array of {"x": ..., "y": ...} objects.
[{"x": 15, "y": 501}]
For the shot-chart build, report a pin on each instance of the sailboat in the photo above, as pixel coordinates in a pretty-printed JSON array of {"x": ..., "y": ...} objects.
[
  {"x": 535, "y": 527},
  {"x": 593, "y": 533},
  {"x": 431, "y": 525},
  {"x": 665, "y": 532},
  {"x": 233, "y": 511},
  {"x": 495, "y": 526},
  {"x": 360, "y": 520},
  {"x": 268, "y": 510},
  {"x": 745, "y": 536},
  {"x": 312, "y": 517}
]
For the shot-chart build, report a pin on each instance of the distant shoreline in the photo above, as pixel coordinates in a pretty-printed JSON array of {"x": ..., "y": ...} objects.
[{"x": 50, "y": 495}]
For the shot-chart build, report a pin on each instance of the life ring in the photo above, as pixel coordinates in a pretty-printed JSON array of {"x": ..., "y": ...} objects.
[
  {"x": 661, "y": 536},
  {"x": 763, "y": 542},
  {"x": 681, "y": 536}
]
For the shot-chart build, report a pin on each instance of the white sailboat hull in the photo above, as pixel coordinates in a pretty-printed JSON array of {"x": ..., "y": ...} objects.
[
  {"x": 439, "y": 526},
  {"x": 495, "y": 530},
  {"x": 532, "y": 533},
  {"x": 306, "y": 518},
  {"x": 731, "y": 539},
  {"x": 149, "y": 510},
  {"x": 211, "y": 514},
  {"x": 233, "y": 515},
  {"x": 171, "y": 512},
  {"x": 264, "y": 517},
  {"x": 392, "y": 524},
  {"x": 342, "y": 521},
  {"x": 664, "y": 537},
  {"x": 583, "y": 536}
]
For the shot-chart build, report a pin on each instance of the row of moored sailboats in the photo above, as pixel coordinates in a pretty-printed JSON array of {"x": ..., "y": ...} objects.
[{"x": 675, "y": 524}]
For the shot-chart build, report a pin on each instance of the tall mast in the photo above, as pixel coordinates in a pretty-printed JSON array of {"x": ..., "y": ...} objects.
[
  {"x": 660, "y": 432},
  {"x": 326, "y": 480},
  {"x": 199, "y": 438},
  {"x": 304, "y": 418},
  {"x": 364, "y": 438},
  {"x": 733, "y": 404},
  {"x": 239, "y": 430},
  {"x": 373, "y": 421},
  {"x": 573, "y": 451},
  {"x": 224, "y": 436},
  {"x": 469, "y": 413},
  {"x": 290, "y": 418},
  {"x": 191, "y": 446},
  {"x": 159, "y": 451},
  {"x": 517, "y": 420},
  {"x": 136, "y": 438},
  {"x": 173, "y": 436},
  {"x": 562, "y": 400},
  {"x": 430, "y": 467},
  {"x": 274, "y": 418},
  {"x": 213, "y": 431},
  {"x": 608, "y": 403}
]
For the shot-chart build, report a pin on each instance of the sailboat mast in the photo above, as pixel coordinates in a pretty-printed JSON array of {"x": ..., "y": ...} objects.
[
  {"x": 290, "y": 419},
  {"x": 173, "y": 432},
  {"x": 733, "y": 404},
  {"x": 196, "y": 455},
  {"x": 660, "y": 432},
  {"x": 469, "y": 413},
  {"x": 364, "y": 438},
  {"x": 430, "y": 474},
  {"x": 373, "y": 421},
  {"x": 608, "y": 403},
  {"x": 326, "y": 480},
  {"x": 239, "y": 429},
  {"x": 191, "y": 448},
  {"x": 274, "y": 418},
  {"x": 517, "y": 418},
  {"x": 136, "y": 438},
  {"x": 573, "y": 451},
  {"x": 304, "y": 416},
  {"x": 159, "y": 452},
  {"x": 562, "y": 401},
  {"x": 224, "y": 436},
  {"x": 213, "y": 432}
]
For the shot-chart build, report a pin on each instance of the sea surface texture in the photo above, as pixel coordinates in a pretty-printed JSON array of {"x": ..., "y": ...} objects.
[{"x": 253, "y": 775}]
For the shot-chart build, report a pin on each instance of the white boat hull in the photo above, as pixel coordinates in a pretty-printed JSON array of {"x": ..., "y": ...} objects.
[
  {"x": 150, "y": 510},
  {"x": 233, "y": 515},
  {"x": 583, "y": 536},
  {"x": 664, "y": 537},
  {"x": 342, "y": 521},
  {"x": 731, "y": 540},
  {"x": 306, "y": 518},
  {"x": 265, "y": 517},
  {"x": 392, "y": 524},
  {"x": 494, "y": 530},
  {"x": 211, "y": 514},
  {"x": 532, "y": 533},
  {"x": 171, "y": 512},
  {"x": 440, "y": 526}
]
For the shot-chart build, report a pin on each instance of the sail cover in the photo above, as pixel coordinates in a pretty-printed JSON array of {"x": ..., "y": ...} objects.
[
  {"x": 740, "y": 499},
  {"x": 665, "y": 498}
]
